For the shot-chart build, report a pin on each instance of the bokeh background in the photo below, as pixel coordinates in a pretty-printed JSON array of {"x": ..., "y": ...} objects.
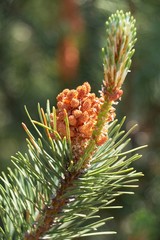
[{"x": 46, "y": 46}]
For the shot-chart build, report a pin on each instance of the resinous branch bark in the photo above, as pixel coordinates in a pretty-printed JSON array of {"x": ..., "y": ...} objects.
[{"x": 77, "y": 165}]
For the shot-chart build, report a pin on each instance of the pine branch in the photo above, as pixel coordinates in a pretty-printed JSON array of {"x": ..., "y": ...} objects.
[{"x": 79, "y": 164}]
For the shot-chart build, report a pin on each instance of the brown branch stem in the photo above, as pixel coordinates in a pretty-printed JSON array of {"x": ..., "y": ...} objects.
[{"x": 49, "y": 213}]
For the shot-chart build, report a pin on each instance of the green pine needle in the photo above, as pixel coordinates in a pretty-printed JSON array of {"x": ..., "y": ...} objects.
[{"x": 39, "y": 175}]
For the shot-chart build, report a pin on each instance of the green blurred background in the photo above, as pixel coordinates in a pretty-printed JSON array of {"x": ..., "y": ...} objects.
[{"x": 46, "y": 46}]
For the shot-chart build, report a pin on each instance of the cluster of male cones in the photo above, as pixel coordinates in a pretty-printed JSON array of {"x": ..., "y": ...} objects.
[{"x": 89, "y": 115}]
